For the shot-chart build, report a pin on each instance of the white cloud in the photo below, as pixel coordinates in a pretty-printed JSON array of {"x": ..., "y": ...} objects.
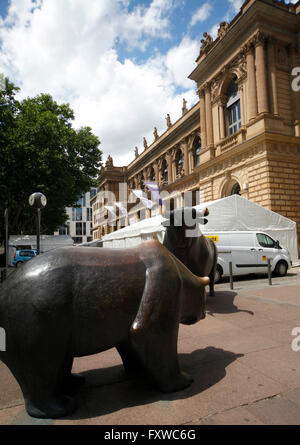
[
  {"x": 201, "y": 14},
  {"x": 152, "y": 21},
  {"x": 236, "y": 5},
  {"x": 67, "y": 48},
  {"x": 179, "y": 61}
]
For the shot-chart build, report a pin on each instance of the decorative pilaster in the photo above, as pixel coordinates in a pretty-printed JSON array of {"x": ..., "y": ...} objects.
[
  {"x": 191, "y": 160},
  {"x": 252, "y": 92},
  {"x": 186, "y": 160},
  {"x": 242, "y": 102},
  {"x": 202, "y": 118},
  {"x": 208, "y": 113},
  {"x": 221, "y": 105},
  {"x": 272, "y": 78},
  {"x": 170, "y": 171},
  {"x": 261, "y": 74},
  {"x": 156, "y": 170}
]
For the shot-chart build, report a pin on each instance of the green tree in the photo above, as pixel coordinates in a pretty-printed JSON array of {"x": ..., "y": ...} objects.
[{"x": 41, "y": 151}]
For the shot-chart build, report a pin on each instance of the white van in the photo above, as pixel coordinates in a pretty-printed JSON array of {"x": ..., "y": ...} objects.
[{"x": 249, "y": 253}]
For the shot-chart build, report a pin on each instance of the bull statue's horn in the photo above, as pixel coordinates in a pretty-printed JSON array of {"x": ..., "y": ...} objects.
[{"x": 204, "y": 281}]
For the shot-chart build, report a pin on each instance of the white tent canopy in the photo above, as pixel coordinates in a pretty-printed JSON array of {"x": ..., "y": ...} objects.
[
  {"x": 136, "y": 233},
  {"x": 228, "y": 214},
  {"x": 47, "y": 242}
]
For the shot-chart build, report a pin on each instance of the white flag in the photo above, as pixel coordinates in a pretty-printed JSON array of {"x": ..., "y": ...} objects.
[
  {"x": 122, "y": 208},
  {"x": 140, "y": 194},
  {"x": 111, "y": 210}
]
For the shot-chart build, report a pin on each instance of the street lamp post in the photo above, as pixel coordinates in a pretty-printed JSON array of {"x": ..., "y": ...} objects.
[
  {"x": 6, "y": 240},
  {"x": 38, "y": 201}
]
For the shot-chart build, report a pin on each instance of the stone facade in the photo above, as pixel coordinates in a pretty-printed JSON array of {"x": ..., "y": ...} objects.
[{"x": 243, "y": 135}]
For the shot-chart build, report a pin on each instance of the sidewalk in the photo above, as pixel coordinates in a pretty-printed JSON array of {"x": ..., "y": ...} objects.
[{"x": 245, "y": 371}]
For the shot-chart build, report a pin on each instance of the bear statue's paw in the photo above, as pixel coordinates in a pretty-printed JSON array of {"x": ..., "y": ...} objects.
[
  {"x": 177, "y": 383},
  {"x": 53, "y": 409}
]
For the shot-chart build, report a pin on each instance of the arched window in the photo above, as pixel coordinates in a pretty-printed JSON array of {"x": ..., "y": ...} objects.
[
  {"x": 142, "y": 184},
  {"x": 152, "y": 174},
  {"x": 196, "y": 152},
  {"x": 164, "y": 171},
  {"x": 179, "y": 163},
  {"x": 233, "y": 108},
  {"x": 236, "y": 189}
]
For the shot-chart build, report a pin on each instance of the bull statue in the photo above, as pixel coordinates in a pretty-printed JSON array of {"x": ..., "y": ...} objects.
[
  {"x": 74, "y": 302},
  {"x": 185, "y": 240}
]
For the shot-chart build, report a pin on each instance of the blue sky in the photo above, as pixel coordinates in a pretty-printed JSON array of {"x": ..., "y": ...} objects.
[
  {"x": 3, "y": 7},
  {"x": 123, "y": 65}
]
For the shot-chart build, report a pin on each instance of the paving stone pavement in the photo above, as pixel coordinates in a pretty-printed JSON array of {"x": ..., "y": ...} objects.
[{"x": 245, "y": 371}]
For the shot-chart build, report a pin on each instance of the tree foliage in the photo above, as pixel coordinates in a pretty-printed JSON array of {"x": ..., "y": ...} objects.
[{"x": 40, "y": 151}]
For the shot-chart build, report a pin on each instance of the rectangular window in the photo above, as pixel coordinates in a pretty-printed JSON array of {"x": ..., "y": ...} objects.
[
  {"x": 84, "y": 228},
  {"x": 78, "y": 214},
  {"x": 93, "y": 193},
  {"x": 88, "y": 214},
  {"x": 234, "y": 118},
  {"x": 78, "y": 228}
]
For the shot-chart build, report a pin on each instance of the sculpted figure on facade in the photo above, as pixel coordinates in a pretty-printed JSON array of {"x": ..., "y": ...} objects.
[
  {"x": 223, "y": 29},
  {"x": 180, "y": 172},
  {"x": 155, "y": 134},
  {"x": 184, "y": 107},
  {"x": 109, "y": 162},
  {"x": 206, "y": 43},
  {"x": 168, "y": 119},
  {"x": 136, "y": 152},
  {"x": 145, "y": 144}
]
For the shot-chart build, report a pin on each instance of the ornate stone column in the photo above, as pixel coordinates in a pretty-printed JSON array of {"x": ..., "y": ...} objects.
[
  {"x": 242, "y": 102},
  {"x": 221, "y": 105},
  {"x": 272, "y": 76},
  {"x": 261, "y": 74},
  {"x": 252, "y": 93},
  {"x": 186, "y": 159},
  {"x": 174, "y": 168},
  {"x": 170, "y": 170},
  {"x": 208, "y": 115},
  {"x": 191, "y": 160},
  {"x": 202, "y": 118},
  {"x": 156, "y": 170}
]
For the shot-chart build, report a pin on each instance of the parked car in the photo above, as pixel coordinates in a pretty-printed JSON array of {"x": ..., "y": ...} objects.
[
  {"x": 21, "y": 256},
  {"x": 249, "y": 253}
]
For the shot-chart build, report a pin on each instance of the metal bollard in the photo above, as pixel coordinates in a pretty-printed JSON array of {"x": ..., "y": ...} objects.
[
  {"x": 270, "y": 272},
  {"x": 231, "y": 275}
]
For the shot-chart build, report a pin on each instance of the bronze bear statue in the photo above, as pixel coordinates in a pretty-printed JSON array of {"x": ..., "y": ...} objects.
[
  {"x": 198, "y": 253},
  {"x": 73, "y": 302}
]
